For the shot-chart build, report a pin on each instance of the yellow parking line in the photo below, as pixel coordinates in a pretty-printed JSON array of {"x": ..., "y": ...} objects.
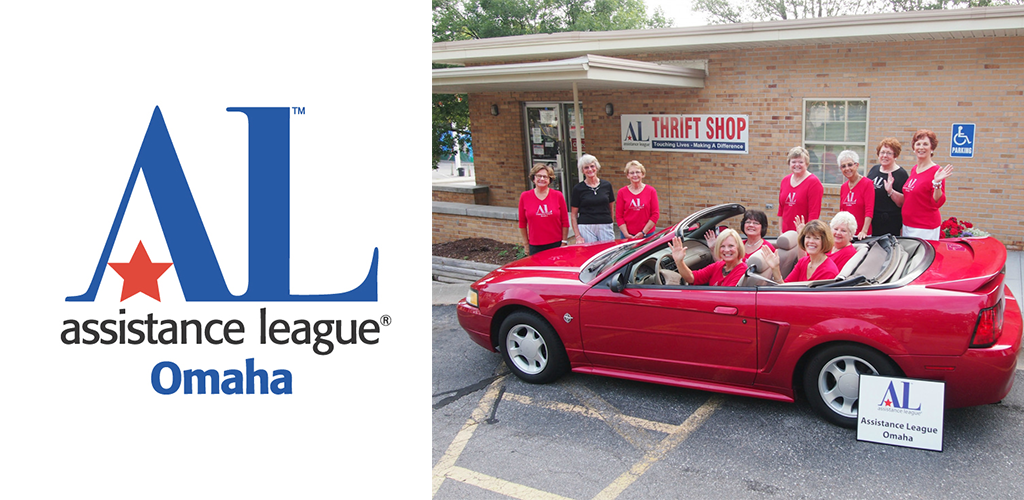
[
  {"x": 447, "y": 461},
  {"x": 636, "y": 436},
  {"x": 661, "y": 450},
  {"x": 501, "y": 486},
  {"x": 446, "y": 468},
  {"x": 586, "y": 412}
]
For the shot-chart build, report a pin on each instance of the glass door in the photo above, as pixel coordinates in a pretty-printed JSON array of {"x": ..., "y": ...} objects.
[{"x": 548, "y": 141}]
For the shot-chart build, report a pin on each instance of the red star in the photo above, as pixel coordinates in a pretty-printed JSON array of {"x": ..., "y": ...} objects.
[
  {"x": 140, "y": 274},
  {"x": 887, "y": 402}
]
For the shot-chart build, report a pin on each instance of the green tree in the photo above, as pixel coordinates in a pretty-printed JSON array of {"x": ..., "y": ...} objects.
[
  {"x": 471, "y": 19},
  {"x": 738, "y": 11}
]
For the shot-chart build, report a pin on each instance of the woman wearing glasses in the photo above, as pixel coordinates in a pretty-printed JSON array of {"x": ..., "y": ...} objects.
[
  {"x": 755, "y": 226},
  {"x": 857, "y": 195},
  {"x": 543, "y": 219},
  {"x": 888, "y": 179},
  {"x": 636, "y": 209},
  {"x": 593, "y": 203},
  {"x": 925, "y": 190},
  {"x": 800, "y": 192}
]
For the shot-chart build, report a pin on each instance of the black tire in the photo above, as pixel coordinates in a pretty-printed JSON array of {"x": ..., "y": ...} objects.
[
  {"x": 832, "y": 379},
  {"x": 531, "y": 348}
]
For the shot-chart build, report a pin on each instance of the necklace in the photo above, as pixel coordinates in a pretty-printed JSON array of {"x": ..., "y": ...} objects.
[{"x": 593, "y": 188}]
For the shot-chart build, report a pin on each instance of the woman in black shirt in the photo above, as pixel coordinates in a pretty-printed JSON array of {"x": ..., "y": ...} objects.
[
  {"x": 888, "y": 178},
  {"x": 592, "y": 202}
]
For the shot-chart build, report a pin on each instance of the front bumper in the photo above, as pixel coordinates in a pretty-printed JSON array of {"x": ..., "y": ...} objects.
[{"x": 476, "y": 324}]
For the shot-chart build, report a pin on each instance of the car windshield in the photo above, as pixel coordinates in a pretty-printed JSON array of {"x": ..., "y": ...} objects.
[{"x": 609, "y": 258}]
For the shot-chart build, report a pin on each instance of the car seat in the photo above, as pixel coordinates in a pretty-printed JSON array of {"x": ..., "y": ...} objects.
[{"x": 788, "y": 250}]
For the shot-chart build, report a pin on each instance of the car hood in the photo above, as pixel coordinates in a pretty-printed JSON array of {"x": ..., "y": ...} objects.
[{"x": 558, "y": 263}]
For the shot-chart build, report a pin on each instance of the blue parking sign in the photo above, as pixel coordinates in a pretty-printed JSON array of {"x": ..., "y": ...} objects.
[{"x": 961, "y": 144}]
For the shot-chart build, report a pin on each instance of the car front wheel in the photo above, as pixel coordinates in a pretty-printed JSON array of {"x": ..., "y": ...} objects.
[
  {"x": 531, "y": 348},
  {"x": 832, "y": 380}
]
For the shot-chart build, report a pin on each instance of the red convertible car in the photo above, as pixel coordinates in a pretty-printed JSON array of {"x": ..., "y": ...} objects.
[{"x": 906, "y": 307}]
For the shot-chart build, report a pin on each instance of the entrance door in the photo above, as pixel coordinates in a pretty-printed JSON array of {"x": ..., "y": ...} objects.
[{"x": 548, "y": 140}]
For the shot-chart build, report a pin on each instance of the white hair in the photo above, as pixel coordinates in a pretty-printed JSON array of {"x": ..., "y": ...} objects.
[
  {"x": 847, "y": 154},
  {"x": 587, "y": 160},
  {"x": 845, "y": 218}
]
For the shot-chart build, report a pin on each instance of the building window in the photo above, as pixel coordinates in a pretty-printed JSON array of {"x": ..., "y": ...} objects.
[{"x": 830, "y": 126}]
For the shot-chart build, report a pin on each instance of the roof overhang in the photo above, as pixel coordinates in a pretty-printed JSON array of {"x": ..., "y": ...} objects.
[
  {"x": 887, "y": 28},
  {"x": 589, "y": 72}
]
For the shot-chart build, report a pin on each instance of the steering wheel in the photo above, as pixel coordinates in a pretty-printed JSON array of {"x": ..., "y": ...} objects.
[{"x": 660, "y": 279}]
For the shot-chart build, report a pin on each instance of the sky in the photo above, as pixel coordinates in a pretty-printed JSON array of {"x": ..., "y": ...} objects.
[{"x": 679, "y": 11}]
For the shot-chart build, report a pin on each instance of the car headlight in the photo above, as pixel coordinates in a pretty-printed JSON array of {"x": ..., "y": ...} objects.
[{"x": 471, "y": 298}]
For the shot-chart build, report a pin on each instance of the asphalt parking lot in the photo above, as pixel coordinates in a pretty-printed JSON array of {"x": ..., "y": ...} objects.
[{"x": 583, "y": 436}]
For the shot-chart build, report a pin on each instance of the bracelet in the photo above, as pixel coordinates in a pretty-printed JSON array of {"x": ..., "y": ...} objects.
[{"x": 936, "y": 185}]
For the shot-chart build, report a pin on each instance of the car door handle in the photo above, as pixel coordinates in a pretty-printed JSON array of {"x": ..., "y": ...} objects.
[{"x": 731, "y": 311}]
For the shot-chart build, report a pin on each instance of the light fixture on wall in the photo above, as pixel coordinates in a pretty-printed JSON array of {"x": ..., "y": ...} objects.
[
  {"x": 494, "y": 109},
  {"x": 609, "y": 109}
]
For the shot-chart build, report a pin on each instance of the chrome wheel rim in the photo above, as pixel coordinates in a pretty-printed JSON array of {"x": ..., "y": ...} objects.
[
  {"x": 526, "y": 349},
  {"x": 839, "y": 383}
]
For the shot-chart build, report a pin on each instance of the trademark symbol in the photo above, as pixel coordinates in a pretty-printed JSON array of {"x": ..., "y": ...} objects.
[
  {"x": 296, "y": 110},
  {"x": 385, "y": 320}
]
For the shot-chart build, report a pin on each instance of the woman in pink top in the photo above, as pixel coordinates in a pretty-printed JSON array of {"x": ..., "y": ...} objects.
[
  {"x": 755, "y": 226},
  {"x": 636, "y": 206},
  {"x": 857, "y": 195},
  {"x": 844, "y": 226},
  {"x": 800, "y": 192},
  {"x": 925, "y": 191},
  {"x": 725, "y": 272},
  {"x": 815, "y": 240},
  {"x": 543, "y": 217}
]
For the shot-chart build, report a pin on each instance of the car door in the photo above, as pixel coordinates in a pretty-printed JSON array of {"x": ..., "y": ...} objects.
[{"x": 695, "y": 332}]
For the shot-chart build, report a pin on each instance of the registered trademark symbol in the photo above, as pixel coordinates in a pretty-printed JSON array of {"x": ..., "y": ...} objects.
[{"x": 385, "y": 320}]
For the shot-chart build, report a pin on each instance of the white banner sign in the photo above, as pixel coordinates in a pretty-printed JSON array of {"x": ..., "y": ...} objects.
[
  {"x": 686, "y": 133},
  {"x": 901, "y": 412}
]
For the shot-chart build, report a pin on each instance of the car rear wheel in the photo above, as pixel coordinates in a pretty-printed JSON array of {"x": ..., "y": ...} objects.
[
  {"x": 832, "y": 380},
  {"x": 531, "y": 348}
]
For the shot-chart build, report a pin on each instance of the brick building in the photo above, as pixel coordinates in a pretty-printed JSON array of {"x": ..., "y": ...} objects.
[{"x": 827, "y": 84}]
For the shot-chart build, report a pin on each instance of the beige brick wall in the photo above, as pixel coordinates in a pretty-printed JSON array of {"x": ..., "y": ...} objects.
[
  {"x": 449, "y": 227},
  {"x": 910, "y": 86},
  {"x": 479, "y": 198}
]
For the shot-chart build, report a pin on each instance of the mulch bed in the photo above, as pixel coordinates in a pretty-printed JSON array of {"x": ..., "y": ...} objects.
[{"x": 479, "y": 250}]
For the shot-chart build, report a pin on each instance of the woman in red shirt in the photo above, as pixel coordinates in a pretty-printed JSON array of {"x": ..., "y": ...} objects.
[
  {"x": 543, "y": 218},
  {"x": 857, "y": 195},
  {"x": 755, "y": 226},
  {"x": 925, "y": 190},
  {"x": 844, "y": 226},
  {"x": 800, "y": 192},
  {"x": 815, "y": 240},
  {"x": 725, "y": 272},
  {"x": 636, "y": 206}
]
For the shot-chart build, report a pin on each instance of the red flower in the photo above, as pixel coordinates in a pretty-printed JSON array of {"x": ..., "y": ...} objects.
[{"x": 968, "y": 224}]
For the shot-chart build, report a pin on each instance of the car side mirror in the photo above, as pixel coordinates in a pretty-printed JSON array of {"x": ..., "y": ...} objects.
[{"x": 618, "y": 283}]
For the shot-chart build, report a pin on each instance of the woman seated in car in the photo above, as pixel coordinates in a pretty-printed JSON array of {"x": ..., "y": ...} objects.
[
  {"x": 815, "y": 240},
  {"x": 755, "y": 226},
  {"x": 844, "y": 226},
  {"x": 726, "y": 272}
]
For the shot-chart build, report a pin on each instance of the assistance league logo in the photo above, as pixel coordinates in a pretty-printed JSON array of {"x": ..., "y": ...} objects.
[
  {"x": 200, "y": 275},
  {"x": 192, "y": 254}
]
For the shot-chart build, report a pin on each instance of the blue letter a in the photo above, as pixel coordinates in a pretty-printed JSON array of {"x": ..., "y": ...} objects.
[{"x": 269, "y": 201}]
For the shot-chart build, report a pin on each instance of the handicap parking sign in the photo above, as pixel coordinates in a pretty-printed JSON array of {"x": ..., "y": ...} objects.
[{"x": 961, "y": 144}]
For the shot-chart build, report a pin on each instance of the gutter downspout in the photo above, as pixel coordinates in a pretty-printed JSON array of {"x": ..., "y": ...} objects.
[{"x": 579, "y": 126}]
